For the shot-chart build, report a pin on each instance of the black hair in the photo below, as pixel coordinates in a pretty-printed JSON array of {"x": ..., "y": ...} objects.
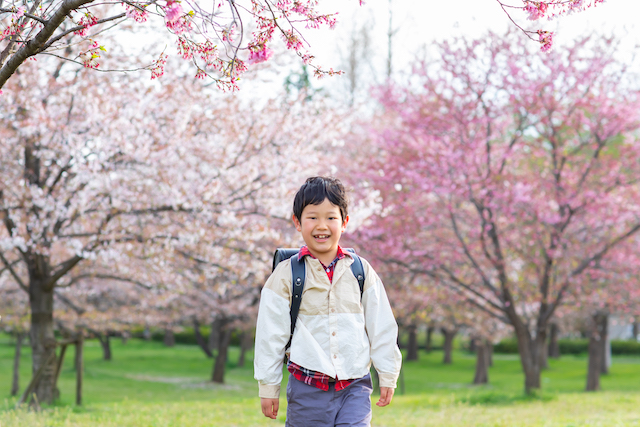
[{"x": 318, "y": 188}]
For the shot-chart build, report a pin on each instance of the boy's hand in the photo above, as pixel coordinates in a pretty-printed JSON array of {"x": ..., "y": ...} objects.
[
  {"x": 270, "y": 407},
  {"x": 386, "y": 394}
]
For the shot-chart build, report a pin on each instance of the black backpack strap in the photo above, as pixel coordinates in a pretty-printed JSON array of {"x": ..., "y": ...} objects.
[
  {"x": 358, "y": 271},
  {"x": 298, "y": 273}
]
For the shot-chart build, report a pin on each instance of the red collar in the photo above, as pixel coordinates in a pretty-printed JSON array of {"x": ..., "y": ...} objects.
[{"x": 304, "y": 251}]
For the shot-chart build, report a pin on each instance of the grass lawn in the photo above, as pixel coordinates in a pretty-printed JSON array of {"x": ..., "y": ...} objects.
[{"x": 147, "y": 384}]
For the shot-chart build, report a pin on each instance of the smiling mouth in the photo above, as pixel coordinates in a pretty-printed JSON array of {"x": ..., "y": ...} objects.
[{"x": 322, "y": 236}]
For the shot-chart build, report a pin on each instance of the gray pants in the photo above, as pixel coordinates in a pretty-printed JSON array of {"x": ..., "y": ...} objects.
[{"x": 309, "y": 406}]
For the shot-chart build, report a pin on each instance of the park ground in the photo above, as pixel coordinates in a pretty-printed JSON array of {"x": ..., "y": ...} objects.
[{"x": 147, "y": 384}]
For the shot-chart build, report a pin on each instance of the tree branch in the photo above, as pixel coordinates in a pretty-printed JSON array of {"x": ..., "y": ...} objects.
[
  {"x": 105, "y": 277},
  {"x": 63, "y": 269},
  {"x": 476, "y": 266},
  {"x": 79, "y": 310},
  {"x": 78, "y": 28},
  {"x": 9, "y": 266},
  {"x": 586, "y": 262},
  {"x": 35, "y": 45}
]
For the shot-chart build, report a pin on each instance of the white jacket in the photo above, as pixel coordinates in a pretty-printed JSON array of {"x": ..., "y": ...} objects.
[{"x": 337, "y": 333}]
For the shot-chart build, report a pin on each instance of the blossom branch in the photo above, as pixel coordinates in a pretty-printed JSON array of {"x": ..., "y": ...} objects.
[{"x": 34, "y": 46}]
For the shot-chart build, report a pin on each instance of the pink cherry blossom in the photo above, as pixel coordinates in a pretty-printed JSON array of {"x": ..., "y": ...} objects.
[
  {"x": 255, "y": 57},
  {"x": 173, "y": 12},
  {"x": 546, "y": 40}
]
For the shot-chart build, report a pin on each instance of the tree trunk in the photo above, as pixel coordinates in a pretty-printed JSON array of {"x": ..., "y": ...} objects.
[
  {"x": 43, "y": 341},
  {"x": 472, "y": 344},
  {"x": 214, "y": 335},
  {"x": 635, "y": 329},
  {"x": 544, "y": 353},
  {"x": 223, "y": 347},
  {"x": 412, "y": 350},
  {"x": 169, "y": 338},
  {"x": 246, "y": 342},
  {"x": 146, "y": 333},
  {"x": 79, "y": 365},
  {"x": 554, "y": 346},
  {"x": 106, "y": 345},
  {"x": 482, "y": 362},
  {"x": 15, "y": 384},
  {"x": 448, "y": 345},
  {"x": 427, "y": 344},
  {"x": 596, "y": 352},
  {"x": 200, "y": 340},
  {"x": 606, "y": 346},
  {"x": 529, "y": 349}
]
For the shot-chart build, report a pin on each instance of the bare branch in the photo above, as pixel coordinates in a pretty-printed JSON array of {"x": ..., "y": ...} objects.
[
  {"x": 78, "y": 28},
  {"x": 69, "y": 303},
  {"x": 80, "y": 277},
  {"x": 9, "y": 266},
  {"x": 63, "y": 268},
  {"x": 587, "y": 262}
]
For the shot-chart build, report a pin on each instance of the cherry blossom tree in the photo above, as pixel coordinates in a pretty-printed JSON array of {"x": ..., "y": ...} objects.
[
  {"x": 105, "y": 180},
  {"x": 507, "y": 175}
]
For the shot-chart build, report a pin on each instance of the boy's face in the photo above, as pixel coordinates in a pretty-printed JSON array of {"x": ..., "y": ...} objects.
[{"x": 321, "y": 227}]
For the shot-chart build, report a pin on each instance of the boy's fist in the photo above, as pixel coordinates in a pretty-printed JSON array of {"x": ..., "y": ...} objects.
[
  {"x": 270, "y": 407},
  {"x": 386, "y": 394}
]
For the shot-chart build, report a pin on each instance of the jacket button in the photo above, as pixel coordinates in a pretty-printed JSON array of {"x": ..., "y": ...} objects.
[
  {"x": 333, "y": 333},
  {"x": 335, "y": 357}
]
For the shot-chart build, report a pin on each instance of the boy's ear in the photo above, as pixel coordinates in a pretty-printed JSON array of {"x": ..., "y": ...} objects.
[
  {"x": 296, "y": 222},
  {"x": 344, "y": 223}
]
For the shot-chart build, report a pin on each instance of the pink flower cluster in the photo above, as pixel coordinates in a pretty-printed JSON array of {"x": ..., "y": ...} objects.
[
  {"x": 536, "y": 9},
  {"x": 158, "y": 68},
  {"x": 184, "y": 48},
  {"x": 138, "y": 13},
  {"x": 176, "y": 20},
  {"x": 260, "y": 55},
  {"x": 19, "y": 13},
  {"x": 90, "y": 56},
  {"x": 173, "y": 11},
  {"x": 228, "y": 33},
  {"x": 546, "y": 39},
  {"x": 14, "y": 27},
  {"x": 293, "y": 41},
  {"x": 207, "y": 51},
  {"x": 87, "y": 21}
]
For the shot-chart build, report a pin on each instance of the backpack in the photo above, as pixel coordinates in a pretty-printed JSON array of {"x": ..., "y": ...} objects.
[{"x": 298, "y": 274}]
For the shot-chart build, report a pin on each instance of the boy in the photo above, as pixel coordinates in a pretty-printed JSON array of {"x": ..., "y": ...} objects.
[{"x": 338, "y": 332}]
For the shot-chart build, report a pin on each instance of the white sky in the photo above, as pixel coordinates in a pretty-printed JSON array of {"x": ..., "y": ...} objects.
[{"x": 419, "y": 22}]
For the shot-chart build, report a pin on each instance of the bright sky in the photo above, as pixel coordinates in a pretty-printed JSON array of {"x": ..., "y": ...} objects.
[{"x": 419, "y": 22}]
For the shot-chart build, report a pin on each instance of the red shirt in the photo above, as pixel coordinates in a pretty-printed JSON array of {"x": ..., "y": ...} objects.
[{"x": 307, "y": 376}]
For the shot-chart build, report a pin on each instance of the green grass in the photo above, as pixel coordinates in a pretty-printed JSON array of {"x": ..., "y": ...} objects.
[{"x": 149, "y": 385}]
